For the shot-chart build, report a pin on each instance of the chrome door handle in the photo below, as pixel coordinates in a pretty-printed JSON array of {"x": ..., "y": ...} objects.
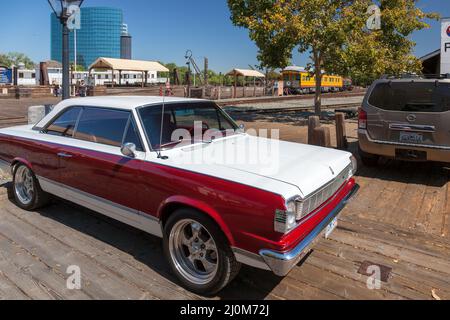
[{"x": 64, "y": 155}]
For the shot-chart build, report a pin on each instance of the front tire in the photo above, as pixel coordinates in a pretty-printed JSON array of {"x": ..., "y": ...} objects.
[
  {"x": 198, "y": 252},
  {"x": 26, "y": 189}
]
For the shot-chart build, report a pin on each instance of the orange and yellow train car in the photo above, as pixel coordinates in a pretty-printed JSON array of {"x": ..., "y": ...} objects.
[{"x": 297, "y": 81}]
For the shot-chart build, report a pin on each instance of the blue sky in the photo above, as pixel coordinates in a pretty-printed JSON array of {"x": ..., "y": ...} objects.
[{"x": 164, "y": 30}]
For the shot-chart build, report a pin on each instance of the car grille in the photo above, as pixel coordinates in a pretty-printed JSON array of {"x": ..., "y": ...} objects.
[{"x": 311, "y": 203}]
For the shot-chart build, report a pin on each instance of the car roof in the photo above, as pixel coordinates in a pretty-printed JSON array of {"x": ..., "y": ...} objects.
[
  {"x": 121, "y": 102},
  {"x": 114, "y": 102}
]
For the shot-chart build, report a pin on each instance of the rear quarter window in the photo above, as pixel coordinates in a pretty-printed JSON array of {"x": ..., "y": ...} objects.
[{"x": 411, "y": 96}]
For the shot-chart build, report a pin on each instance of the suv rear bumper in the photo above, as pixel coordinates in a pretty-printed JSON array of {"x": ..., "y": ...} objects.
[{"x": 387, "y": 149}]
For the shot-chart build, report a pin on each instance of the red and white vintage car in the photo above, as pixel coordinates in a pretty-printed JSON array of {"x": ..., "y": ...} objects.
[{"x": 118, "y": 156}]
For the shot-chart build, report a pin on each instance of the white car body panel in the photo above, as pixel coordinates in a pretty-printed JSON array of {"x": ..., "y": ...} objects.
[{"x": 301, "y": 169}]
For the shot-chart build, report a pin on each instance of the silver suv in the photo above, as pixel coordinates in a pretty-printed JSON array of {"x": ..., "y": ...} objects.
[{"x": 405, "y": 119}]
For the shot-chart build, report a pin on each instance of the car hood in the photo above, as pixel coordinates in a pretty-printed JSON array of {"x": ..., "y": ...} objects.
[{"x": 265, "y": 163}]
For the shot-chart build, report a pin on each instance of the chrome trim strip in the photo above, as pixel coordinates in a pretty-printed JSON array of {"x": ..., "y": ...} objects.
[
  {"x": 282, "y": 263},
  {"x": 402, "y": 144},
  {"x": 412, "y": 127},
  {"x": 135, "y": 218},
  {"x": 250, "y": 259}
]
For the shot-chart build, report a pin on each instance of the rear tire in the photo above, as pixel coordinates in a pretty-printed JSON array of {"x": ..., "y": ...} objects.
[
  {"x": 368, "y": 159},
  {"x": 26, "y": 190},
  {"x": 198, "y": 252}
]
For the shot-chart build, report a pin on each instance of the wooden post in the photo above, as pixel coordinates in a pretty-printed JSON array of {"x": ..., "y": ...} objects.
[
  {"x": 235, "y": 86},
  {"x": 146, "y": 78},
  {"x": 254, "y": 86},
  {"x": 341, "y": 136},
  {"x": 120, "y": 77},
  {"x": 142, "y": 84},
  {"x": 243, "y": 87},
  {"x": 313, "y": 123},
  {"x": 112, "y": 77},
  {"x": 206, "y": 72},
  {"x": 322, "y": 137}
]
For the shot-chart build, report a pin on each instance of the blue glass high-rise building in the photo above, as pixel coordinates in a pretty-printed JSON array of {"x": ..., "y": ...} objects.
[{"x": 99, "y": 36}]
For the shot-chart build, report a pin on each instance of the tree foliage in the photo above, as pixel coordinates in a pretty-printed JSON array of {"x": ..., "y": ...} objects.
[
  {"x": 334, "y": 33},
  {"x": 15, "y": 58}
]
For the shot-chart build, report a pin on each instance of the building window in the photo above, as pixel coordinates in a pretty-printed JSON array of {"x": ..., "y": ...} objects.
[{"x": 21, "y": 75}]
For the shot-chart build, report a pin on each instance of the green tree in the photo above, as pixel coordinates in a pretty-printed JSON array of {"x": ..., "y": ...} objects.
[
  {"x": 15, "y": 58},
  {"x": 333, "y": 32}
]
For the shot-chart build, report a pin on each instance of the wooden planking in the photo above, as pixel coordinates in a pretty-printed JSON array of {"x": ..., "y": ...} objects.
[
  {"x": 145, "y": 247},
  {"x": 445, "y": 232},
  {"x": 407, "y": 281},
  {"x": 393, "y": 251},
  {"x": 97, "y": 280},
  {"x": 32, "y": 276}
]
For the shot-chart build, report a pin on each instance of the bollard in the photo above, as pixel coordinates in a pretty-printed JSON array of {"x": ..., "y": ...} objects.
[
  {"x": 313, "y": 123},
  {"x": 341, "y": 136},
  {"x": 35, "y": 114},
  {"x": 322, "y": 137}
]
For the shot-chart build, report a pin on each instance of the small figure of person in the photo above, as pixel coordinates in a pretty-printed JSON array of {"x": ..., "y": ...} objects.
[
  {"x": 56, "y": 89},
  {"x": 82, "y": 89}
]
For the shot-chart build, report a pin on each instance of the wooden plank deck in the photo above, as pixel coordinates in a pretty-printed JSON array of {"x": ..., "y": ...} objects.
[{"x": 400, "y": 219}]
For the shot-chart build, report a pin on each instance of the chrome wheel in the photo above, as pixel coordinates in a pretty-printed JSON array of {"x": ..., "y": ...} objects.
[
  {"x": 24, "y": 185},
  {"x": 193, "y": 251}
]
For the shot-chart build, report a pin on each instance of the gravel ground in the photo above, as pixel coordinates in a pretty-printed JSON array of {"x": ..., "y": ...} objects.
[{"x": 297, "y": 103}]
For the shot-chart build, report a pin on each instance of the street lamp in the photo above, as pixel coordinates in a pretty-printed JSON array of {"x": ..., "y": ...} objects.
[{"x": 60, "y": 8}]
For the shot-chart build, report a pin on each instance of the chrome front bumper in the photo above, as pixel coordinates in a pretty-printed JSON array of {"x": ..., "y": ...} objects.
[{"x": 282, "y": 263}]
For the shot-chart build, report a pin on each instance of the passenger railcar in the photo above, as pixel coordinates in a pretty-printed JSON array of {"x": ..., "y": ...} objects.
[{"x": 299, "y": 81}]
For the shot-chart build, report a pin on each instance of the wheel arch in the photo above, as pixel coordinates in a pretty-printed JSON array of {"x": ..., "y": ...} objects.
[
  {"x": 17, "y": 161},
  {"x": 174, "y": 203}
]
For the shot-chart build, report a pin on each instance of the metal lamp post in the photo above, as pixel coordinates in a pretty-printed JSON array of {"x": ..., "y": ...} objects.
[{"x": 61, "y": 10}]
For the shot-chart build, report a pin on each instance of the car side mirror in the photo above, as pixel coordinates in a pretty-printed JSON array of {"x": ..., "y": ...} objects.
[{"x": 129, "y": 150}]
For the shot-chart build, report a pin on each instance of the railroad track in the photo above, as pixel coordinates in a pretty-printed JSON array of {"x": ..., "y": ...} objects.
[
  {"x": 292, "y": 109},
  {"x": 234, "y": 102},
  {"x": 12, "y": 121}
]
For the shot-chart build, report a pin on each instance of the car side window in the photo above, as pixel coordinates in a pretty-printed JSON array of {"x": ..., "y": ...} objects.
[
  {"x": 102, "y": 126},
  {"x": 132, "y": 135},
  {"x": 64, "y": 125}
]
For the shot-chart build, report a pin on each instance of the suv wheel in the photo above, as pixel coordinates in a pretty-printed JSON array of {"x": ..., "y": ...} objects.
[
  {"x": 198, "y": 252},
  {"x": 26, "y": 189},
  {"x": 368, "y": 159}
]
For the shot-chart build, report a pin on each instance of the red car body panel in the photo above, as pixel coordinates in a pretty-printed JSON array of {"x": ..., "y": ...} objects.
[{"x": 244, "y": 213}]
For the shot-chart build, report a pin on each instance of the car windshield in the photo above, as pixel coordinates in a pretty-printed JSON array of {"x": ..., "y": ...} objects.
[{"x": 185, "y": 123}]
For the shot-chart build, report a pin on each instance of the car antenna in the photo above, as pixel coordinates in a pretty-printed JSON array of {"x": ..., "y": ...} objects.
[{"x": 160, "y": 156}]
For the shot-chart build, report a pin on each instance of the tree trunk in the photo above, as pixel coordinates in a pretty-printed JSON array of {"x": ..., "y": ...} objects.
[{"x": 318, "y": 94}]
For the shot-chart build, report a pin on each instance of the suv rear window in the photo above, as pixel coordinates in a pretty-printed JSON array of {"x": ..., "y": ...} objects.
[{"x": 411, "y": 96}]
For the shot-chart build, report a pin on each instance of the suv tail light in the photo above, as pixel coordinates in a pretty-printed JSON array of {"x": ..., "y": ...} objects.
[{"x": 362, "y": 119}]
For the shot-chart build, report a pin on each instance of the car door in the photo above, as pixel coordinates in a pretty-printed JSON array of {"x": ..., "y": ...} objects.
[
  {"x": 92, "y": 165},
  {"x": 46, "y": 158}
]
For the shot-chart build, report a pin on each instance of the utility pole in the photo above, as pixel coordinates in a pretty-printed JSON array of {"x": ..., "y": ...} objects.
[{"x": 206, "y": 71}]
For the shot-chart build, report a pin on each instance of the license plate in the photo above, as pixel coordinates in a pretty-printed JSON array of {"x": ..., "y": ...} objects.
[
  {"x": 330, "y": 228},
  {"x": 411, "y": 137}
]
